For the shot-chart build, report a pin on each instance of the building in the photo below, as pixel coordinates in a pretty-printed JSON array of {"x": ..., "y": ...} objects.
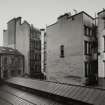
[
  {"x": 26, "y": 39},
  {"x": 43, "y": 52},
  {"x": 101, "y": 44},
  {"x": 72, "y": 48},
  {"x": 11, "y": 63},
  {"x": 35, "y": 53}
]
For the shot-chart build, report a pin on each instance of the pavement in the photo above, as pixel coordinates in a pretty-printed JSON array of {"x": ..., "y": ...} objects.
[{"x": 78, "y": 93}]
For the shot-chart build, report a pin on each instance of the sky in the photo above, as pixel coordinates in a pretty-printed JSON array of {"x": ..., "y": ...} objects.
[{"x": 42, "y": 13}]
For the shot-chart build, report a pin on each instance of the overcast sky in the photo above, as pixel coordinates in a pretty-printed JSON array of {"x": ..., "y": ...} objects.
[{"x": 44, "y": 12}]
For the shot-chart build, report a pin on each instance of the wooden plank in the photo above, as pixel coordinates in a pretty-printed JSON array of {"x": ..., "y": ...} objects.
[
  {"x": 80, "y": 92},
  {"x": 65, "y": 90},
  {"x": 68, "y": 89},
  {"x": 56, "y": 88},
  {"x": 100, "y": 100},
  {"x": 74, "y": 93},
  {"x": 61, "y": 89},
  {"x": 53, "y": 88},
  {"x": 88, "y": 95},
  {"x": 95, "y": 94},
  {"x": 71, "y": 91}
]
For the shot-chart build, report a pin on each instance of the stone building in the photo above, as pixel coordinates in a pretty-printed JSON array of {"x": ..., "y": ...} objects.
[
  {"x": 72, "y": 47},
  {"x": 101, "y": 44},
  {"x": 35, "y": 53},
  {"x": 11, "y": 63},
  {"x": 26, "y": 39}
]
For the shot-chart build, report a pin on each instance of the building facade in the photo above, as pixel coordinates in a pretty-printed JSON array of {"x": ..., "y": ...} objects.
[
  {"x": 35, "y": 53},
  {"x": 101, "y": 44},
  {"x": 11, "y": 63},
  {"x": 26, "y": 39},
  {"x": 72, "y": 47}
]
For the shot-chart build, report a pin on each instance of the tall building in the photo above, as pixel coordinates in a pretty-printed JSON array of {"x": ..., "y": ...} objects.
[
  {"x": 101, "y": 44},
  {"x": 72, "y": 47},
  {"x": 26, "y": 39}
]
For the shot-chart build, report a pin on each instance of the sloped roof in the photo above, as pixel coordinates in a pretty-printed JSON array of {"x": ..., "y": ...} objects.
[{"x": 9, "y": 51}]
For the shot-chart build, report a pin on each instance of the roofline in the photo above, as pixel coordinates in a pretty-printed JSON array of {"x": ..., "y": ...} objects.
[
  {"x": 101, "y": 11},
  {"x": 11, "y": 20},
  {"x": 74, "y": 16},
  {"x": 11, "y": 54},
  {"x": 88, "y": 15},
  {"x": 25, "y": 22},
  {"x": 11, "y": 49},
  {"x": 52, "y": 24}
]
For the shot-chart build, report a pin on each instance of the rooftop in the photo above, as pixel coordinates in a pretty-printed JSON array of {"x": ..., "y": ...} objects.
[
  {"x": 101, "y": 11},
  {"x": 67, "y": 14},
  {"x": 9, "y": 51}
]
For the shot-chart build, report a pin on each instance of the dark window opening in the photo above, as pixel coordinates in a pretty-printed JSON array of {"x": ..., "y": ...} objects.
[
  {"x": 87, "y": 69},
  {"x": 87, "y": 31},
  {"x": 62, "y": 51},
  {"x": 87, "y": 48}
]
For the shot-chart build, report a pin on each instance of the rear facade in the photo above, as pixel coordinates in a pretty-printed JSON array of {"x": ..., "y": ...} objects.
[{"x": 69, "y": 42}]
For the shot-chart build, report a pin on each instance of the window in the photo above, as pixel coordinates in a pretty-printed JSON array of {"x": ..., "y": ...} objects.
[
  {"x": 87, "y": 48},
  {"x": 62, "y": 51},
  {"x": 88, "y": 31},
  {"x": 91, "y": 32},
  {"x": 87, "y": 68}
]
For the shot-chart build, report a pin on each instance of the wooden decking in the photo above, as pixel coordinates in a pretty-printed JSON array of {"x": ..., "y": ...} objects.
[{"x": 84, "y": 94}]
